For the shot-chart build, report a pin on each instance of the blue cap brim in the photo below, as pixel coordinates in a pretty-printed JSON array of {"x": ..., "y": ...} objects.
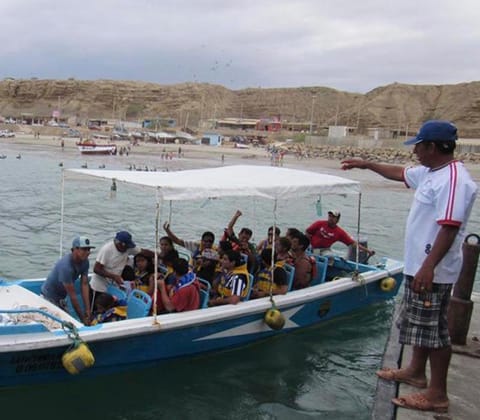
[{"x": 415, "y": 140}]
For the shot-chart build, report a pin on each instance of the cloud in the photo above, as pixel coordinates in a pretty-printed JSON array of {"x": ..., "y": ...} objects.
[{"x": 344, "y": 44}]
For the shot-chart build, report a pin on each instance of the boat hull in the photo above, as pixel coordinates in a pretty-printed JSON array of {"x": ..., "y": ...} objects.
[
  {"x": 135, "y": 343},
  {"x": 98, "y": 150}
]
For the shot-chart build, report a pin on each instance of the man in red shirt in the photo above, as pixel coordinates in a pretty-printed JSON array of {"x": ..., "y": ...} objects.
[
  {"x": 184, "y": 294},
  {"x": 324, "y": 233}
]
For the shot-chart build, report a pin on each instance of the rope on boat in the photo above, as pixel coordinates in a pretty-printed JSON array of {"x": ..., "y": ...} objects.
[
  {"x": 273, "y": 317},
  {"x": 78, "y": 356}
]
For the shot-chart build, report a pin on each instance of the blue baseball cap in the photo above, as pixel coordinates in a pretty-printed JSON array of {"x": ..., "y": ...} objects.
[
  {"x": 435, "y": 130},
  {"x": 82, "y": 242},
  {"x": 126, "y": 238}
]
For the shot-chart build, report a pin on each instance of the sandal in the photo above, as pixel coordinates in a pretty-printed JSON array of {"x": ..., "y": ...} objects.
[
  {"x": 420, "y": 402},
  {"x": 390, "y": 374}
]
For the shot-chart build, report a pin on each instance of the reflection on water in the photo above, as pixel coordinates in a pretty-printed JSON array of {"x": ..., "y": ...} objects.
[{"x": 325, "y": 372}]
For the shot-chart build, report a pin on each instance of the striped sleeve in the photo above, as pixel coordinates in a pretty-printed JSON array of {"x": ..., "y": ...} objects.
[
  {"x": 455, "y": 196},
  {"x": 237, "y": 285}
]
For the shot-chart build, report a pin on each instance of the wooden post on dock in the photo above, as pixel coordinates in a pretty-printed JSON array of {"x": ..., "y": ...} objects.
[{"x": 461, "y": 307}]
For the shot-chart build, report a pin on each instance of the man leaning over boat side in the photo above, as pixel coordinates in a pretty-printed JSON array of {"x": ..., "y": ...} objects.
[
  {"x": 112, "y": 258},
  {"x": 435, "y": 231},
  {"x": 61, "y": 280},
  {"x": 324, "y": 233}
]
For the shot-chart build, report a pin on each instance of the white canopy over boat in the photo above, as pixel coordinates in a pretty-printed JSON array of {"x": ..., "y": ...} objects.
[{"x": 233, "y": 181}]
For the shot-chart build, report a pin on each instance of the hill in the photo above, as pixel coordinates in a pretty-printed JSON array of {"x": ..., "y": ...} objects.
[{"x": 392, "y": 106}]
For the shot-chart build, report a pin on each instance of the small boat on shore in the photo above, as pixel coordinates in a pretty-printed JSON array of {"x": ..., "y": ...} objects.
[
  {"x": 90, "y": 147},
  {"x": 40, "y": 342}
]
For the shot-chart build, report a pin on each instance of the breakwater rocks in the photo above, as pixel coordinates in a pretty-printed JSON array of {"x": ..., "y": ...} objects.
[{"x": 387, "y": 155}]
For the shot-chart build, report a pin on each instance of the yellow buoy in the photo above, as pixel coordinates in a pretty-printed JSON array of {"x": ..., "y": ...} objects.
[
  {"x": 274, "y": 319},
  {"x": 388, "y": 284},
  {"x": 77, "y": 359}
]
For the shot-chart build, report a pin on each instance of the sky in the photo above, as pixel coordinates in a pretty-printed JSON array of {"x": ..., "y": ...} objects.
[{"x": 349, "y": 45}]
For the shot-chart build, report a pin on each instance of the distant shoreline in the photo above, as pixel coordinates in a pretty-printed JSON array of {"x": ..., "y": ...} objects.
[{"x": 233, "y": 155}]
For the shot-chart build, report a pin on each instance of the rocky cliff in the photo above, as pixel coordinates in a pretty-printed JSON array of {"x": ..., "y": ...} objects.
[{"x": 392, "y": 106}]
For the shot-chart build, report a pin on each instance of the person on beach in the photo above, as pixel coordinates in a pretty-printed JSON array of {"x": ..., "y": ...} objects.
[
  {"x": 435, "y": 230},
  {"x": 324, "y": 233},
  {"x": 61, "y": 280},
  {"x": 111, "y": 262}
]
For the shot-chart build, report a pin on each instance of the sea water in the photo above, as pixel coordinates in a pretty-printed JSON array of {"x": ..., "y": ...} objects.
[{"x": 322, "y": 372}]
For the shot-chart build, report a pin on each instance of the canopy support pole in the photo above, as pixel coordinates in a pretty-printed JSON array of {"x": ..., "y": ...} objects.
[
  {"x": 272, "y": 263},
  {"x": 358, "y": 230},
  {"x": 155, "y": 259},
  {"x": 62, "y": 211}
]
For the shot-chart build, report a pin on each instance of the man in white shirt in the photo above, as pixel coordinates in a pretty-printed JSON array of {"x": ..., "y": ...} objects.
[
  {"x": 444, "y": 197},
  {"x": 111, "y": 261}
]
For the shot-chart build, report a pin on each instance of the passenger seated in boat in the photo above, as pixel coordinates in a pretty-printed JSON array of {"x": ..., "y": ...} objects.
[
  {"x": 167, "y": 266},
  {"x": 207, "y": 265},
  {"x": 223, "y": 247},
  {"x": 61, "y": 280},
  {"x": 166, "y": 272},
  {"x": 165, "y": 246},
  {"x": 184, "y": 294},
  {"x": 108, "y": 309},
  {"x": 195, "y": 247},
  {"x": 304, "y": 264},
  {"x": 111, "y": 261},
  {"x": 283, "y": 246},
  {"x": 143, "y": 271},
  {"x": 324, "y": 233},
  {"x": 268, "y": 241},
  {"x": 233, "y": 285},
  {"x": 263, "y": 279},
  {"x": 289, "y": 234},
  {"x": 242, "y": 242}
]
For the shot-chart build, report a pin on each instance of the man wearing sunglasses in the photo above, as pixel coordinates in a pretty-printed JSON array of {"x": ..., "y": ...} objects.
[{"x": 195, "y": 247}]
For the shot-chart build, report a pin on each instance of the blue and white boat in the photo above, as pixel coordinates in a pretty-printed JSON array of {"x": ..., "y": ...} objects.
[{"x": 35, "y": 335}]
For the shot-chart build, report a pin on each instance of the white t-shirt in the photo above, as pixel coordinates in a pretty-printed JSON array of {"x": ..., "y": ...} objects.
[
  {"x": 443, "y": 196},
  {"x": 114, "y": 261}
]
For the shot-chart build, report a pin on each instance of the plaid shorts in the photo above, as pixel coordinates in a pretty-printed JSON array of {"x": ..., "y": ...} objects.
[{"x": 424, "y": 325}]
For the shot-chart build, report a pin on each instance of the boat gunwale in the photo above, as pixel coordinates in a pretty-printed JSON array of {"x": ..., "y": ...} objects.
[{"x": 174, "y": 321}]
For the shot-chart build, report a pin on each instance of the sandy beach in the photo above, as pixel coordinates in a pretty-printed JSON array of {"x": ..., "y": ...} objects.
[{"x": 328, "y": 158}]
